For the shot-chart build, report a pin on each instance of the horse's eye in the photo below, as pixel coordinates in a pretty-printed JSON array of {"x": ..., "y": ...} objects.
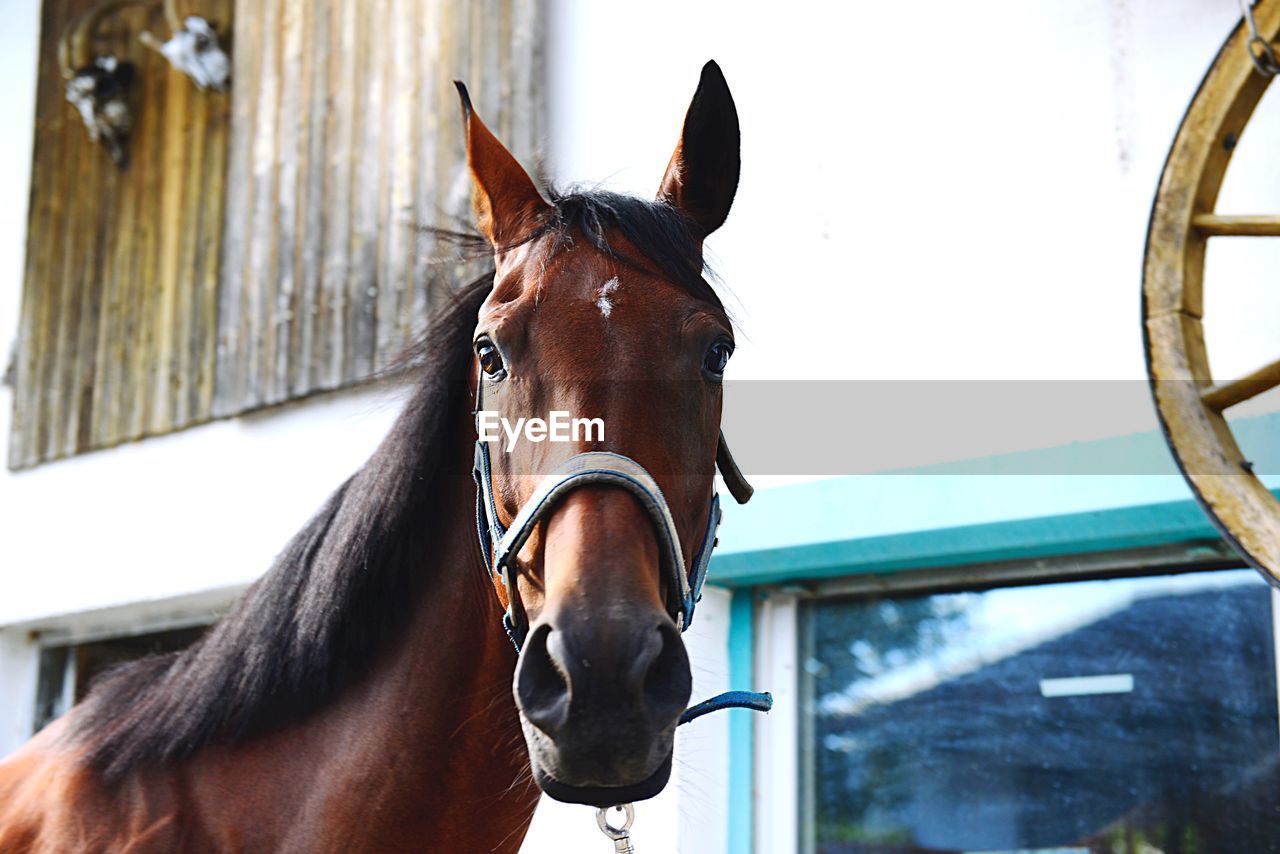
[
  {"x": 717, "y": 359},
  {"x": 490, "y": 359}
]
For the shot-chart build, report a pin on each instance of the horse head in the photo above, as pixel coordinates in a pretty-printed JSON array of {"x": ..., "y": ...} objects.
[{"x": 599, "y": 311}]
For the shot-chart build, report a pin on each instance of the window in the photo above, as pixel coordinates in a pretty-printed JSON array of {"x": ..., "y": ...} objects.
[
  {"x": 1121, "y": 715},
  {"x": 67, "y": 671}
]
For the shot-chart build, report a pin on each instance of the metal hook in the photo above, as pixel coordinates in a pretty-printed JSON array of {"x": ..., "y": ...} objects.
[
  {"x": 74, "y": 45},
  {"x": 621, "y": 838},
  {"x": 193, "y": 48},
  {"x": 1261, "y": 51},
  {"x": 98, "y": 86}
]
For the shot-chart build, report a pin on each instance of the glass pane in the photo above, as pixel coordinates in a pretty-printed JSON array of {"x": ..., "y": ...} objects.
[
  {"x": 51, "y": 686},
  {"x": 1127, "y": 715},
  {"x": 92, "y": 659},
  {"x": 67, "y": 672}
]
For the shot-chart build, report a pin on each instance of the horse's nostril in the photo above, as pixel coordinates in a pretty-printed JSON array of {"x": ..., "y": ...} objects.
[
  {"x": 668, "y": 683},
  {"x": 541, "y": 686},
  {"x": 569, "y": 683}
]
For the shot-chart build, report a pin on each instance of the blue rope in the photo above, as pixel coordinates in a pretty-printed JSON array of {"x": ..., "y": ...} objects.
[
  {"x": 759, "y": 702},
  {"x": 511, "y": 632}
]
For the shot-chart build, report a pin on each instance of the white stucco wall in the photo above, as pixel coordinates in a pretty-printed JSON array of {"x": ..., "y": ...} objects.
[
  {"x": 932, "y": 191},
  {"x": 945, "y": 190}
]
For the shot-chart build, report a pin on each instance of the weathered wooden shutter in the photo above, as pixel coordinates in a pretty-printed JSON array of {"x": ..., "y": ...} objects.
[
  {"x": 117, "y": 330},
  {"x": 347, "y": 141},
  {"x": 264, "y": 245}
]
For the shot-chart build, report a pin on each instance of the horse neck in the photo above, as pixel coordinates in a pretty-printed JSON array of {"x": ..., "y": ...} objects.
[
  {"x": 433, "y": 727},
  {"x": 446, "y": 700}
]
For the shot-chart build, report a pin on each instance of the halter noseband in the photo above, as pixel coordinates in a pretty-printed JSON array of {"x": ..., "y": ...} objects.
[{"x": 500, "y": 544}]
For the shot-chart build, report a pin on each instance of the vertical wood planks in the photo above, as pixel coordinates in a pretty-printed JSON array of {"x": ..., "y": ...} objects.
[
  {"x": 116, "y": 336},
  {"x": 344, "y": 142},
  {"x": 263, "y": 245}
]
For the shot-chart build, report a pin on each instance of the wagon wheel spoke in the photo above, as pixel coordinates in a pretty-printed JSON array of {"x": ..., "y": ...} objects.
[
  {"x": 1191, "y": 404},
  {"x": 1220, "y": 397},
  {"x": 1219, "y": 225}
]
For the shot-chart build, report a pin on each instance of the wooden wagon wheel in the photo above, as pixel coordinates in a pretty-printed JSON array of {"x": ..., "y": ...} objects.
[{"x": 1183, "y": 220}]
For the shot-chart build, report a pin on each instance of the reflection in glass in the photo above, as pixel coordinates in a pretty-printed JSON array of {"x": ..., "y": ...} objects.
[{"x": 1126, "y": 715}]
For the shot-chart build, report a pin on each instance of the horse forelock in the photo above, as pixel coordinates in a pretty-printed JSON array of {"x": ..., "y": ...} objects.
[{"x": 656, "y": 235}]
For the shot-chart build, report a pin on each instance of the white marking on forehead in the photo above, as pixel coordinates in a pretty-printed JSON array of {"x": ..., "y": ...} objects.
[{"x": 604, "y": 303}]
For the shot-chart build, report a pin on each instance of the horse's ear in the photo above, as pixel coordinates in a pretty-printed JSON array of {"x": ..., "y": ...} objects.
[
  {"x": 703, "y": 173},
  {"x": 506, "y": 202}
]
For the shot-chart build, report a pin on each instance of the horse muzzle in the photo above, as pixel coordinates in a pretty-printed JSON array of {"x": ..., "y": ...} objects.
[{"x": 599, "y": 701}]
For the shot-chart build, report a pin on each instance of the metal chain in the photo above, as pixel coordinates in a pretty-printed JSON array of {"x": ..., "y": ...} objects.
[{"x": 1261, "y": 51}]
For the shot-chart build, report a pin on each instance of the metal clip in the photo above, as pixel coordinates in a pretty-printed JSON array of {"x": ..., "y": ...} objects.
[
  {"x": 194, "y": 49},
  {"x": 621, "y": 838},
  {"x": 1260, "y": 50}
]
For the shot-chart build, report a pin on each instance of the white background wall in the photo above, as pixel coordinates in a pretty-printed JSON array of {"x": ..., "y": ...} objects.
[{"x": 930, "y": 191}]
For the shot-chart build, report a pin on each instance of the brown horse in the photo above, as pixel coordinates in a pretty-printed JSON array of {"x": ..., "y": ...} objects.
[{"x": 359, "y": 697}]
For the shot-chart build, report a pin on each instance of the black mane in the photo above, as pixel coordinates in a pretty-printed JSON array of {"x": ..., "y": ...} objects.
[{"x": 342, "y": 589}]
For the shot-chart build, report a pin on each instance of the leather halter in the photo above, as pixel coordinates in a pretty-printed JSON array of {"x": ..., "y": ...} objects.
[{"x": 500, "y": 544}]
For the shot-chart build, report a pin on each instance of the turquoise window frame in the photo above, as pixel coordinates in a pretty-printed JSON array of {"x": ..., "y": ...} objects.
[{"x": 984, "y": 511}]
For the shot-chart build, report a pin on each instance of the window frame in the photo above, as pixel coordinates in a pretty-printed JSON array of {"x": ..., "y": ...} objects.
[
  {"x": 120, "y": 621},
  {"x": 776, "y": 775}
]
